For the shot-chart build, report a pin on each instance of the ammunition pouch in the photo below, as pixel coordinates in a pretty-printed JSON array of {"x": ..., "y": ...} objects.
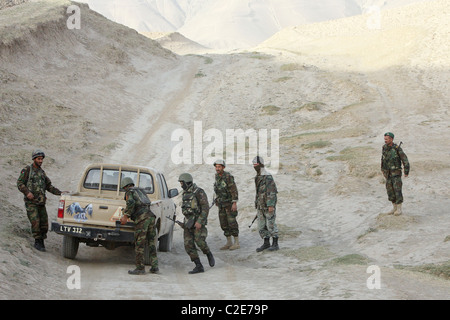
[{"x": 189, "y": 222}]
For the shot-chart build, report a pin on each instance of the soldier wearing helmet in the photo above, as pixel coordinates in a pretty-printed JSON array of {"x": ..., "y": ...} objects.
[
  {"x": 33, "y": 183},
  {"x": 138, "y": 210},
  {"x": 265, "y": 203},
  {"x": 226, "y": 200},
  {"x": 391, "y": 166},
  {"x": 195, "y": 209}
]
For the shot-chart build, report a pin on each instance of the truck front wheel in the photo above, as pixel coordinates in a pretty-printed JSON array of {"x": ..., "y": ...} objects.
[{"x": 69, "y": 248}]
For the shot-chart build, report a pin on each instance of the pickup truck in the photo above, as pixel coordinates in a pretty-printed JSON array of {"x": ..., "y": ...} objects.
[{"x": 92, "y": 214}]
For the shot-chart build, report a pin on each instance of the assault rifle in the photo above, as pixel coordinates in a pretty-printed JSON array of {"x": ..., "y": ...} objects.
[
  {"x": 181, "y": 224},
  {"x": 213, "y": 202},
  {"x": 253, "y": 221}
]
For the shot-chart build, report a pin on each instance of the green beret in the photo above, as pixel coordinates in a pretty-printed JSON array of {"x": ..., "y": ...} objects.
[{"x": 390, "y": 134}]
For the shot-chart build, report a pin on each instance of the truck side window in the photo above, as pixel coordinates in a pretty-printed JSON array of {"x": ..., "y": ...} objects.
[
  {"x": 92, "y": 180},
  {"x": 146, "y": 182}
]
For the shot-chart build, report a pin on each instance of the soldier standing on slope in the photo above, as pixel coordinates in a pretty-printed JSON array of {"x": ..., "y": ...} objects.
[
  {"x": 391, "y": 167},
  {"x": 33, "y": 182},
  {"x": 226, "y": 199},
  {"x": 265, "y": 203}
]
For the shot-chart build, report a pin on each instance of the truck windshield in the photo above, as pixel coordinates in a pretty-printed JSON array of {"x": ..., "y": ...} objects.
[{"x": 110, "y": 179}]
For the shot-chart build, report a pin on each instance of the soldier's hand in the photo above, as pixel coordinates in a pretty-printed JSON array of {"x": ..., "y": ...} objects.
[
  {"x": 234, "y": 206},
  {"x": 30, "y": 196},
  {"x": 198, "y": 226},
  {"x": 271, "y": 209},
  {"x": 123, "y": 219}
]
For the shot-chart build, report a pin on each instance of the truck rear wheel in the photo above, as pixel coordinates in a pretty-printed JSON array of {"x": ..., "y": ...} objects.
[
  {"x": 165, "y": 242},
  {"x": 69, "y": 247}
]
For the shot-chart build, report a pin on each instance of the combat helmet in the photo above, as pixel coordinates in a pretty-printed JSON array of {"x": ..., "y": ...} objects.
[
  {"x": 185, "y": 177},
  {"x": 37, "y": 153},
  {"x": 258, "y": 160},
  {"x": 125, "y": 182},
  {"x": 219, "y": 161}
]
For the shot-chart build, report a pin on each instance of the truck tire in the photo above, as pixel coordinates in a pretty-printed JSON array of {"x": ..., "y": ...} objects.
[
  {"x": 70, "y": 247},
  {"x": 165, "y": 242}
]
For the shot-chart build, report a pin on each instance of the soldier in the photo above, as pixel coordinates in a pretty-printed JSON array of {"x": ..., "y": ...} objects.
[
  {"x": 265, "y": 203},
  {"x": 391, "y": 167},
  {"x": 138, "y": 209},
  {"x": 33, "y": 182},
  {"x": 195, "y": 209},
  {"x": 226, "y": 199}
]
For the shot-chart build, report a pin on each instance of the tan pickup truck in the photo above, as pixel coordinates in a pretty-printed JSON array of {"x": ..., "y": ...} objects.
[{"x": 91, "y": 215}]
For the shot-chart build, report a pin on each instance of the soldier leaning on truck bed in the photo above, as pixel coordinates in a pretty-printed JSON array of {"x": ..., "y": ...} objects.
[
  {"x": 138, "y": 209},
  {"x": 33, "y": 182}
]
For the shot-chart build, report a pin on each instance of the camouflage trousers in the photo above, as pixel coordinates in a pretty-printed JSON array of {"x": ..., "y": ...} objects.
[
  {"x": 194, "y": 237},
  {"x": 394, "y": 189},
  {"x": 144, "y": 233},
  {"x": 267, "y": 226},
  {"x": 37, "y": 214},
  {"x": 228, "y": 223}
]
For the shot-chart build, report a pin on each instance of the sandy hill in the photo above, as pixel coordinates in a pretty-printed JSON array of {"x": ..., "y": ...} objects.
[
  {"x": 107, "y": 93},
  {"x": 177, "y": 43},
  {"x": 232, "y": 24}
]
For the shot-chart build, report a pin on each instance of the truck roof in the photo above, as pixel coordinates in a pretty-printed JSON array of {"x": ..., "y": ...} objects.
[{"x": 120, "y": 166}]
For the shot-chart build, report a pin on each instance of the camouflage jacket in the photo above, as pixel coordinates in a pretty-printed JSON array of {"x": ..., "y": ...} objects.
[
  {"x": 35, "y": 180},
  {"x": 391, "y": 161},
  {"x": 137, "y": 203},
  {"x": 225, "y": 189},
  {"x": 195, "y": 205},
  {"x": 266, "y": 190}
]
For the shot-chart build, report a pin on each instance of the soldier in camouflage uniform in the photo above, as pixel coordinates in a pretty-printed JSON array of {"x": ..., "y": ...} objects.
[
  {"x": 391, "y": 167},
  {"x": 138, "y": 209},
  {"x": 195, "y": 209},
  {"x": 226, "y": 199},
  {"x": 33, "y": 182},
  {"x": 265, "y": 203}
]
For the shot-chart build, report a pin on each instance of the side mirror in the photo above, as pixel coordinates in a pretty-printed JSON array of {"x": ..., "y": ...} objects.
[{"x": 173, "y": 193}]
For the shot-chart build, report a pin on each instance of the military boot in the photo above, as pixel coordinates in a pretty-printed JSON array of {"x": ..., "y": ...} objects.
[
  {"x": 398, "y": 211},
  {"x": 274, "y": 246},
  {"x": 228, "y": 244},
  {"x": 136, "y": 271},
  {"x": 154, "y": 270},
  {"x": 211, "y": 260},
  {"x": 394, "y": 208},
  {"x": 236, "y": 244},
  {"x": 38, "y": 245},
  {"x": 198, "y": 267},
  {"x": 265, "y": 245}
]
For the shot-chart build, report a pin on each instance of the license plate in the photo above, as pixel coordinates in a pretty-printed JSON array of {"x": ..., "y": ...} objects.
[{"x": 70, "y": 229}]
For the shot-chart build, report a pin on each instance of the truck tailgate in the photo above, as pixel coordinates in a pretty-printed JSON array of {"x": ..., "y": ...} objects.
[
  {"x": 98, "y": 211},
  {"x": 92, "y": 211}
]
